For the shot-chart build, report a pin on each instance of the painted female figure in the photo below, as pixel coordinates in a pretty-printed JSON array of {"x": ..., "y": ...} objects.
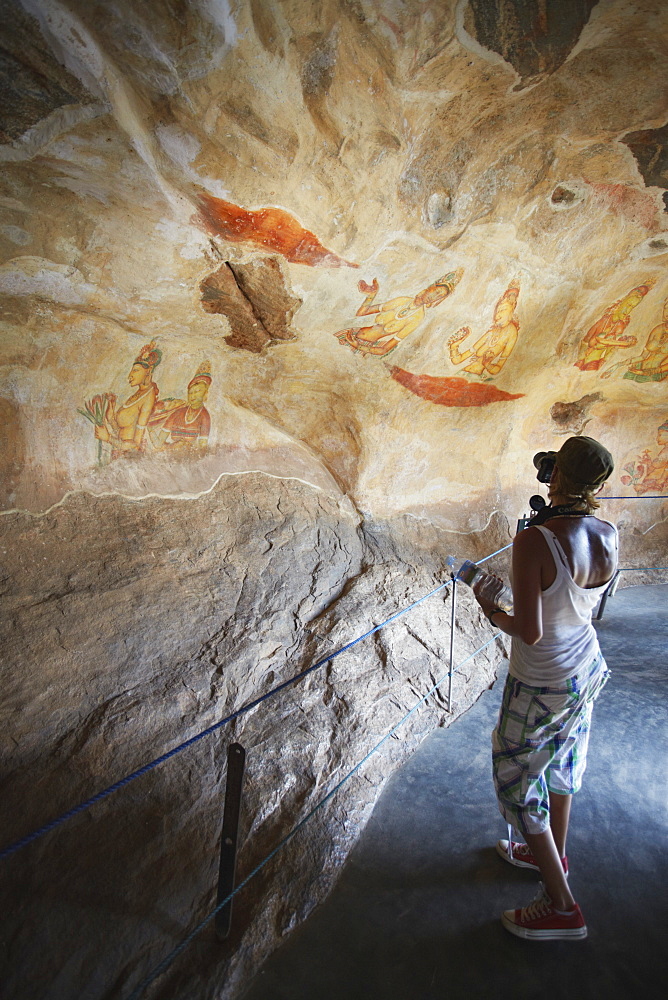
[
  {"x": 187, "y": 426},
  {"x": 608, "y": 333},
  {"x": 649, "y": 474},
  {"x": 396, "y": 318},
  {"x": 124, "y": 426},
  {"x": 491, "y": 351}
]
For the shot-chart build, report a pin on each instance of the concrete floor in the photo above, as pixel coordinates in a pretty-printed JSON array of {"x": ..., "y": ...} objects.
[{"x": 415, "y": 914}]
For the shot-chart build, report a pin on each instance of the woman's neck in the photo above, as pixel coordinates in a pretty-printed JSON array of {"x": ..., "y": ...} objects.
[{"x": 560, "y": 500}]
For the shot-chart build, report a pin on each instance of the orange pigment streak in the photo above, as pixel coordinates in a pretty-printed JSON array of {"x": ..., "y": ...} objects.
[
  {"x": 271, "y": 228},
  {"x": 451, "y": 391}
]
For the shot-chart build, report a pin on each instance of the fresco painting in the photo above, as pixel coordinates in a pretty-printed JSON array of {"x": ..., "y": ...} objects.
[
  {"x": 484, "y": 360},
  {"x": 452, "y": 391},
  {"x": 95, "y": 410},
  {"x": 396, "y": 318},
  {"x": 146, "y": 423},
  {"x": 652, "y": 364},
  {"x": 184, "y": 425},
  {"x": 491, "y": 351},
  {"x": 271, "y": 229},
  {"x": 608, "y": 333},
  {"x": 649, "y": 472},
  {"x": 123, "y": 426}
]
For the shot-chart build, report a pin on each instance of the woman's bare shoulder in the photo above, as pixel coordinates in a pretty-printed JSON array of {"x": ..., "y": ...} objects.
[
  {"x": 530, "y": 542},
  {"x": 604, "y": 529},
  {"x": 606, "y": 525},
  {"x": 531, "y": 532}
]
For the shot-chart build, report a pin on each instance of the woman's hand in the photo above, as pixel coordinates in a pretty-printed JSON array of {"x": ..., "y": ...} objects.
[
  {"x": 110, "y": 408},
  {"x": 461, "y": 334},
  {"x": 486, "y": 591}
]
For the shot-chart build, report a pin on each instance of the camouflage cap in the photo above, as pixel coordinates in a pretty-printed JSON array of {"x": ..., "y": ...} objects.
[{"x": 583, "y": 460}]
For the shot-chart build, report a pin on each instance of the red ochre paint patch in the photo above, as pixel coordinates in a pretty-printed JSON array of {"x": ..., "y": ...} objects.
[
  {"x": 624, "y": 199},
  {"x": 452, "y": 391},
  {"x": 271, "y": 228}
]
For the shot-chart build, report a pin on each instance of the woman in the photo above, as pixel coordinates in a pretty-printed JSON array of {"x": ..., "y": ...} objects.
[
  {"x": 556, "y": 671},
  {"x": 187, "y": 427},
  {"x": 396, "y": 318},
  {"x": 125, "y": 425}
]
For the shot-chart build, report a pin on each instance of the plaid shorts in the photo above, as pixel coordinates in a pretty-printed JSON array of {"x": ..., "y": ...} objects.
[{"x": 540, "y": 744}]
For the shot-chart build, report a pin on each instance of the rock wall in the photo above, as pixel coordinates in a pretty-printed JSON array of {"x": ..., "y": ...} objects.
[
  {"x": 396, "y": 248},
  {"x": 291, "y": 294},
  {"x": 127, "y": 628}
]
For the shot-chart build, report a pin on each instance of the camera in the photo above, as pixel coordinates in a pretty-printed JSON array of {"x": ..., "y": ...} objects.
[
  {"x": 544, "y": 462},
  {"x": 545, "y": 468}
]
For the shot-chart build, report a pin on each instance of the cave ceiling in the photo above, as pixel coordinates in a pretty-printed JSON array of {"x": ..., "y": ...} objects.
[{"x": 388, "y": 248}]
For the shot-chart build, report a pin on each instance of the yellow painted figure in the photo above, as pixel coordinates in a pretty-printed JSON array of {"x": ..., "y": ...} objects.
[
  {"x": 187, "y": 425},
  {"x": 396, "y": 318},
  {"x": 124, "y": 426},
  {"x": 608, "y": 333},
  {"x": 491, "y": 351},
  {"x": 652, "y": 364}
]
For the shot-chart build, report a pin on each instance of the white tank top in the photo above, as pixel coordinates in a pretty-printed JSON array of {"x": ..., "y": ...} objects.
[{"x": 569, "y": 642}]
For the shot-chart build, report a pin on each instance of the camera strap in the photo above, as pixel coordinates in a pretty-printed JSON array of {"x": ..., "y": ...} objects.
[{"x": 561, "y": 510}]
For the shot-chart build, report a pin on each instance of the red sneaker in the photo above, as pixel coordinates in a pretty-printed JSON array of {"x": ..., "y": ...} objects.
[
  {"x": 520, "y": 855},
  {"x": 539, "y": 921}
]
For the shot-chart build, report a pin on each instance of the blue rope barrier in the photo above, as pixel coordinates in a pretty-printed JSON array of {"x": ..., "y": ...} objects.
[
  {"x": 659, "y": 497},
  {"x": 99, "y": 796},
  {"x": 166, "y": 962},
  {"x": 492, "y": 554}
]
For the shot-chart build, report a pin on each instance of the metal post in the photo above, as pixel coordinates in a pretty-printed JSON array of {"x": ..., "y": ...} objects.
[
  {"x": 236, "y": 760},
  {"x": 452, "y": 639},
  {"x": 608, "y": 592}
]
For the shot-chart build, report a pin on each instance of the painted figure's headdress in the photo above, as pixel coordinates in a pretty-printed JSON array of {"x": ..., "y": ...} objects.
[
  {"x": 149, "y": 356},
  {"x": 449, "y": 280},
  {"x": 624, "y": 305},
  {"x": 644, "y": 288},
  {"x": 512, "y": 292},
  {"x": 203, "y": 375}
]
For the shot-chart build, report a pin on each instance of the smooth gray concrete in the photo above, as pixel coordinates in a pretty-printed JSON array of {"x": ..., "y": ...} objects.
[{"x": 415, "y": 914}]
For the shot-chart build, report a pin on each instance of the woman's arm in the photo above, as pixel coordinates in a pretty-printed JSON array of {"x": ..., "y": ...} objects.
[
  {"x": 366, "y": 309},
  {"x": 457, "y": 356},
  {"x": 142, "y": 420},
  {"x": 526, "y": 622}
]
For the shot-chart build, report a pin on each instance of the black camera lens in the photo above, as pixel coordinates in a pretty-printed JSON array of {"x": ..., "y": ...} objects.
[{"x": 545, "y": 470}]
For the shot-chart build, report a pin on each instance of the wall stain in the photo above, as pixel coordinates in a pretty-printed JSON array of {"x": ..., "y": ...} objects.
[
  {"x": 254, "y": 299},
  {"x": 534, "y": 36},
  {"x": 650, "y": 149}
]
